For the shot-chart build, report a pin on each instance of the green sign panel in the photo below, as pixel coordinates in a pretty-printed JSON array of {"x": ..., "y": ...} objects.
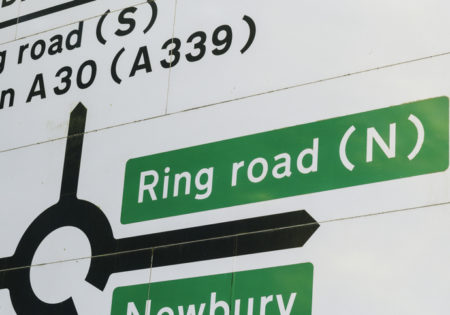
[
  {"x": 384, "y": 144},
  {"x": 281, "y": 290}
]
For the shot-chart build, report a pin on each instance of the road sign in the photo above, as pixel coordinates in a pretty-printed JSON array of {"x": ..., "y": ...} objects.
[
  {"x": 196, "y": 157},
  {"x": 292, "y": 161},
  {"x": 281, "y": 290}
]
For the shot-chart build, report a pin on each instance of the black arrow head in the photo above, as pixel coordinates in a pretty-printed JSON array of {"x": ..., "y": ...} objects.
[{"x": 77, "y": 120}]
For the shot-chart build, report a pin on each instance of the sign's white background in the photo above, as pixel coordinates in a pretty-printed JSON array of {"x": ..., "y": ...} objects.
[{"x": 381, "y": 248}]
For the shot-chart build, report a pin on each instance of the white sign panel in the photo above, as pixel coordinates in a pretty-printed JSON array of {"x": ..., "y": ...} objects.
[{"x": 203, "y": 157}]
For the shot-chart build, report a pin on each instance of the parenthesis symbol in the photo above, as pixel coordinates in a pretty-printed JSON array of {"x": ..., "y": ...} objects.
[
  {"x": 114, "y": 67},
  {"x": 420, "y": 136},
  {"x": 343, "y": 146},
  {"x": 100, "y": 37},
  {"x": 251, "y": 37},
  {"x": 152, "y": 3}
]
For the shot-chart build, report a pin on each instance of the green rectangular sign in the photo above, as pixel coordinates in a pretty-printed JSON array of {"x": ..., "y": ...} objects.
[
  {"x": 282, "y": 290},
  {"x": 379, "y": 145}
]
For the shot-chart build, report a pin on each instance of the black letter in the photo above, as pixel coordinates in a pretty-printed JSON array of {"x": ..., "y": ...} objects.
[
  {"x": 5, "y": 93},
  {"x": 34, "y": 54},
  {"x": 57, "y": 45},
  {"x": 38, "y": 80},
  {"x": 143, "y": 52},
  {"x": 126, "y": 21},
  {"x": 21, "y": 51},
  {"x": 78, "y": 33},
  {"x": 2, "y": 60}
]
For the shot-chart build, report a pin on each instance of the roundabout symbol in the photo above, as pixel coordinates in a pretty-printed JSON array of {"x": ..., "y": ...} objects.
[{"x": 261, "y": 234}]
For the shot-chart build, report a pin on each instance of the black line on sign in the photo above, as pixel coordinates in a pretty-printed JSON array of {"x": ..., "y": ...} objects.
[
  {"x": 221, "y": 230},
  {"x": 44, "y": 12},
  {"x": 74, "y": 146}
]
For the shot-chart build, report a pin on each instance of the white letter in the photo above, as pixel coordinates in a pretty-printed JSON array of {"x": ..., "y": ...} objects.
[
  {"x": 166, "y": 183},
  {"x": 178, "y": 177},
  {"x": 250, "y": 306},
  {"x": 148, "y": 306},
  {"x": 208, "y": 185},
  {"x": 191, "y": 310},
  {"x": 237, "y": 307},
  {"x": 286, "y": 165},
  {"x": 264, "y": 301},
  {"x": 264, "y": 165},
  {"x": 149, "y": 187},
  {"x": 286, "y": 310},
  {"x": 167, "y": 310},
  {"x": 314, "y": 152},
  {"x": 236, "y": 167},
  {"x": 224, "y": 305},
  {"x": 372, "y": 134},
  {"x": 131, "y": 309}
]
